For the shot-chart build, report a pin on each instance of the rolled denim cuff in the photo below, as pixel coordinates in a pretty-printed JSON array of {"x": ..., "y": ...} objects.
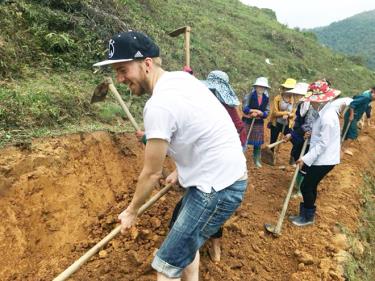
[{"x": 165, "y": 268}]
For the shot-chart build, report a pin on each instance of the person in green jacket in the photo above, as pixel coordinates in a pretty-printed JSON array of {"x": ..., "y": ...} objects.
[{"x": 357, "y": 108}]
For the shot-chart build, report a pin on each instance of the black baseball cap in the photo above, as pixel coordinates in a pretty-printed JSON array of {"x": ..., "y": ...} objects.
[{"x": 127, "y": 46}]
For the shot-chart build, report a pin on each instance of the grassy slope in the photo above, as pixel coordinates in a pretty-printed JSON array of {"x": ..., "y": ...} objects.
[
  {"x": 47, "y": 48},
  {"x": 354, "y": 36}
]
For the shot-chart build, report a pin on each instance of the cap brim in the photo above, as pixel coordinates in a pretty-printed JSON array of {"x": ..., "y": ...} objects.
[{"x": 108, "y": 62}]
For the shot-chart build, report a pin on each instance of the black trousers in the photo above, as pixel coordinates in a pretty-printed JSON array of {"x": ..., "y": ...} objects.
[
  {"x": 309, "y": 186},
  {"x": 297, "y": 148},
  {"x": 276, "y": 130}
]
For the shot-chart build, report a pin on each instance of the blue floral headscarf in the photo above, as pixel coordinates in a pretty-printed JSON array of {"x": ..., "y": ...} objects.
[{"x": 218, "y": 82}]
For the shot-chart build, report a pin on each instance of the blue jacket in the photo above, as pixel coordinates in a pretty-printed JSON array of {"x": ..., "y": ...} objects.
[
  {"x": 360, "y": 104},
  {"x": 252, "y": 103}
]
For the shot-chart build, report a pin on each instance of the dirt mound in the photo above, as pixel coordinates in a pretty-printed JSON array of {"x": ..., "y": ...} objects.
[{"x": 60, "y": 196}]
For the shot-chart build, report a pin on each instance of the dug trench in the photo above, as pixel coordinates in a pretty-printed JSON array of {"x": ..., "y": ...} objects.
[{"x": 60, "y": 196}]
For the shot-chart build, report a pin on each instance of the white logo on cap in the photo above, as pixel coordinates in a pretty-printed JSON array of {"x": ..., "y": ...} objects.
[
  {"x": 111, "y": 48},
  {"x": 138, "y": 55}
]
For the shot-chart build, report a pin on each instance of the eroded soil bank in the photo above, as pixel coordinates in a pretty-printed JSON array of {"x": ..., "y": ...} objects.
[{"x": 60, "y": 196}]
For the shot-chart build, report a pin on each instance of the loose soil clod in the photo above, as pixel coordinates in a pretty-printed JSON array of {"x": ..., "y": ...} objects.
[{"x": 62, "y": 195}]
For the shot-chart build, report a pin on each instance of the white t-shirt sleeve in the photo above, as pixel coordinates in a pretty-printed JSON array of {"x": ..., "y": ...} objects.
[{"x": 159, "y": 123}]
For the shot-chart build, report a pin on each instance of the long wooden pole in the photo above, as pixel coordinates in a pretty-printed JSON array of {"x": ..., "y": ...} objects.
[
  {"x": 78, "y": 263},
  {"x": 250, "y": 129},
  {"x": 278, "y": 148},
  {"x": 187, "y": 46},
  {"x": 123, "y": 105},
  {"x": 346, "y": 131},
  {"x": 289, "y": 194},
  {"x": 271, "y": 145}
]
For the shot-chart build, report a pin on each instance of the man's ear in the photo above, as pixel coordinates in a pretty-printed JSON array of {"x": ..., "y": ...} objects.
[{"x": 148, "y": 64}]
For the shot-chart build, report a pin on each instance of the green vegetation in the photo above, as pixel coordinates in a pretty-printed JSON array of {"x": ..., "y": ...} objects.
[
  {"x": 54, "y": 104},
  {"x": 362, "y": 268},
  {"x": 47, "y": 48},
  {"x": 354, "y": 36}
]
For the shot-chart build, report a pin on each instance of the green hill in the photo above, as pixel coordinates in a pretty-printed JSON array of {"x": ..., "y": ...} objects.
[
  {"x": 354, "y": 36},
  {"x": 47, "y": 48}
]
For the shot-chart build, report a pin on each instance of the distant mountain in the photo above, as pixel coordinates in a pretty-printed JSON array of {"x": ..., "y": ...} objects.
[{"x": 354, "y": 36}]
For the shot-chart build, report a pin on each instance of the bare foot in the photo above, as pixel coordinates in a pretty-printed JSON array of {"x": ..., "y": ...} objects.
[
  {"x": 297, "y": 195},
  {"x": 215, "y": 251}
]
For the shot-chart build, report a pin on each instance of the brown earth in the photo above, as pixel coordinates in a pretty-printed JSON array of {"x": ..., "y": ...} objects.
[{"x": 60, "y": 196}]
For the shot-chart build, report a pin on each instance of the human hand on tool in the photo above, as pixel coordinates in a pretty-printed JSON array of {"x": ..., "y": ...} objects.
[
  {"x": 287, "y": 137},
  {"x": 127, "y": 219},
  {"x": 307, "y": 135},
  {"x": 300, "y": 163},
  {"x": 259, "y": 113},
  {"x": 172, "y": 178},
  {"x": 139, "y": 134},
  {"x": 286, "y": 116},
  {"x": 254, "y": 113}
]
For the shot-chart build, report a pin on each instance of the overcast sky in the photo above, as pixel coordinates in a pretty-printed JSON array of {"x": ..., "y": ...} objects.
[{"x": 313, "y": 13}]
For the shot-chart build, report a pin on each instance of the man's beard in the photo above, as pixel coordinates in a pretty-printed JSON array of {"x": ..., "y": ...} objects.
[{"x": 139, "y": 90}]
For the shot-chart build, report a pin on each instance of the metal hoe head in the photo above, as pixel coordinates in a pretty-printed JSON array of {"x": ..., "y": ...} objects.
[
  {"x": 100, "y": 92},
  {"x": 179, "y": 31},
  {"x": 268, "y": 156},
  {"x": 271, "y": 229}
]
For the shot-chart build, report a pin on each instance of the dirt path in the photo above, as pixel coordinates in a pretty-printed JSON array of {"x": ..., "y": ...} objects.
[{"x": 60, "y": 196}]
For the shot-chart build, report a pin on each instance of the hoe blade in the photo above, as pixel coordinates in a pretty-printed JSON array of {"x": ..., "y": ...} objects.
[
  {"x": 100, "y": 92},
  {"x": 268, "y": 156}
]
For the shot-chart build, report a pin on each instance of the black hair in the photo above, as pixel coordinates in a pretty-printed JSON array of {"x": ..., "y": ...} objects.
[{"x": 328, "y": 82}]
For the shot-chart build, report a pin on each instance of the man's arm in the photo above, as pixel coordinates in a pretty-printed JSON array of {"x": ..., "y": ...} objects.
[{"x": 155, "y": 152}]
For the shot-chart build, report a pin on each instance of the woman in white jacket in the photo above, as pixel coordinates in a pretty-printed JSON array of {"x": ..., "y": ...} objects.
[{"x": 324, "y": 152}]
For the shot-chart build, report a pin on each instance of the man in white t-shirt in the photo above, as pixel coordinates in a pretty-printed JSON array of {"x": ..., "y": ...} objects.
[{"x": 184, "y": 120}]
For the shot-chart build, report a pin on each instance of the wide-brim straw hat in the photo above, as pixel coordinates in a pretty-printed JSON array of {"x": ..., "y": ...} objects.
[
  {"x": 218, "y": 82},
  {"x": 319, "y": 91},
  {"x": 262, "y": 82},
  {"x": 300, "y": 89},
  {"x": 289, "y": 83}
]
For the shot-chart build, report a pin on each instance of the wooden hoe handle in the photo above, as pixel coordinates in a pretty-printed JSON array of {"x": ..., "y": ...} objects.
[
  {"x": 113, "y": 89},
  {"x": 271, "y": 145},
  {"x": 289, "y": 194},
  {"x": 78, "y": 263}
]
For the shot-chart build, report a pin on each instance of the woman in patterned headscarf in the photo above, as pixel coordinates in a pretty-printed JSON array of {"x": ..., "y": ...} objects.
[{"x": 218, "y": 82}]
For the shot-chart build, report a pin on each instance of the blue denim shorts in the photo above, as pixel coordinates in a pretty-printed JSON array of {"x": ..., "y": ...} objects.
[{"x": 200, "y": 216}]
